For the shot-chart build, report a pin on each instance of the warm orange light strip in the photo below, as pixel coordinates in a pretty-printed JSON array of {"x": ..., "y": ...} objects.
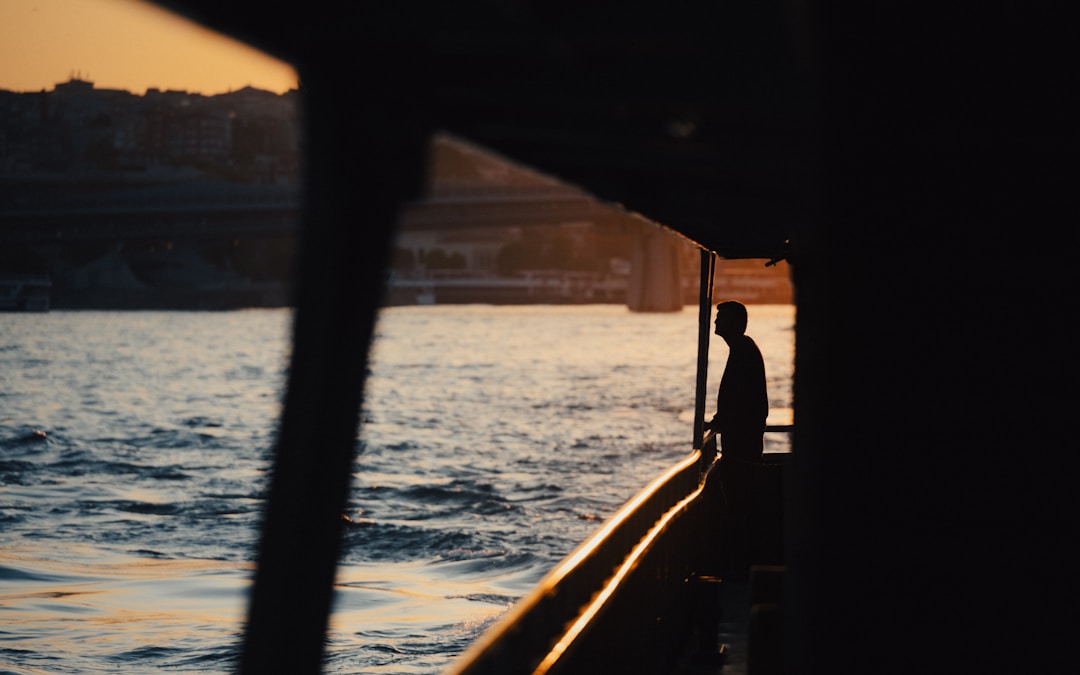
[
  {"x": 586, "y": 549},
  {"x": 552, "y": 578},
  {"x": 613, "y": 583}
]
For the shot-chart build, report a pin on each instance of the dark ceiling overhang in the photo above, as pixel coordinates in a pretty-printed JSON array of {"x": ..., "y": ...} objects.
[{"x": 699, "y": 118}]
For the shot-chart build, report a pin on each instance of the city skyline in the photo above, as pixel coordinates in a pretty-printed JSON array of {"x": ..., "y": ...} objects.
[{"x": 132, "y": 45}]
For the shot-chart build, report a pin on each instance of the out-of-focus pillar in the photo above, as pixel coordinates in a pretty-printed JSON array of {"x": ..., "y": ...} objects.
[{"x": 655, "y": 279}]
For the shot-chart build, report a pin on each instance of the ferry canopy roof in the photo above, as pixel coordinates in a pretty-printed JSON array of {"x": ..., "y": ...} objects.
[{"x": 697, "y": 118}]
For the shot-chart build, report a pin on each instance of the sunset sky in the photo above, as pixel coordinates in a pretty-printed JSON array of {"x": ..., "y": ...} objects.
[{"x": 125, "y": 44}]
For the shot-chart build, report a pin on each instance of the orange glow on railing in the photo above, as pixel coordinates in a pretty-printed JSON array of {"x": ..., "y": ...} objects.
[
  {"x": 591, "y": 547},
  {"x": 593, "y": 543},
  {"x": 613, "y": 583}
]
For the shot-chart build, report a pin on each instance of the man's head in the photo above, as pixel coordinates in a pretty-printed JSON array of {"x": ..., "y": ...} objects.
[{"x": 730, "y": 319}]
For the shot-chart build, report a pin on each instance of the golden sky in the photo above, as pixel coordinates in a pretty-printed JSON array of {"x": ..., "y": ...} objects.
[{"x": 125, "y": 44}]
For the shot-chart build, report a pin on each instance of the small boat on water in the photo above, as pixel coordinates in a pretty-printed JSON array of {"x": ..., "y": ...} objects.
[{"x": 915, "y": 165}]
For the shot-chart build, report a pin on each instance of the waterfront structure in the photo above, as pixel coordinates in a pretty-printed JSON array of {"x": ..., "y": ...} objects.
[
  {"x": 247, "y": 134},
  {"x": 217, "y": 229}
]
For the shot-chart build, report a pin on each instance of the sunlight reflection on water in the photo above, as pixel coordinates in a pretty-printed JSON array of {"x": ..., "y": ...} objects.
[{"x": 90, "y": 609}]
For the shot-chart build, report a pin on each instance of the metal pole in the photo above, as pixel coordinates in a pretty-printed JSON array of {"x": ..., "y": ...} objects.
[{"x": 708, "y": 267}]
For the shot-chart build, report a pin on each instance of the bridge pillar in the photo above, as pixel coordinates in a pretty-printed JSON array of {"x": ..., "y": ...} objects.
[{"x": 655, "y": 275}]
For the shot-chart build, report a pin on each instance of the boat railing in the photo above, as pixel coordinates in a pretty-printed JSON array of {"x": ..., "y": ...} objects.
[{"x": 527, "y": 635}]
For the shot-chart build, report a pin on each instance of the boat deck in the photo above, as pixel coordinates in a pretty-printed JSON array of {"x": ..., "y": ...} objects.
[{"x": 739, "y": 649}]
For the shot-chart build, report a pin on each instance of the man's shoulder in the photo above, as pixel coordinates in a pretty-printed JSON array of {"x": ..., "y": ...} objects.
[
  {"x": 746, "y": 342},
  {"x": 747, "y": 351}
]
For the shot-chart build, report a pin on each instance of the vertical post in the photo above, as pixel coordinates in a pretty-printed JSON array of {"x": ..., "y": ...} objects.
[
  {"x": 708, "y": 267},
  {"x": 365, "y": 158}
]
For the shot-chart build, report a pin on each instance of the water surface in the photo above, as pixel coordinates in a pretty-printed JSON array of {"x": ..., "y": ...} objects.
[{"x": 134, "y": 448}]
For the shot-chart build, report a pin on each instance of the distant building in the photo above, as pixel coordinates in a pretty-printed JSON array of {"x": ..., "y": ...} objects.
[
  {"x": 198, "y": 134},
  {"x": 248, "y": 135}
]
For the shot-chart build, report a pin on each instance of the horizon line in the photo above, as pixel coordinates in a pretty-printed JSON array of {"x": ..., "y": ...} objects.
[{"x": 146, "y": 89}]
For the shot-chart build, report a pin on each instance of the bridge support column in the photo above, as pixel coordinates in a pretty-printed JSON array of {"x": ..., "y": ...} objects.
[{"x": 655, "y": 278}]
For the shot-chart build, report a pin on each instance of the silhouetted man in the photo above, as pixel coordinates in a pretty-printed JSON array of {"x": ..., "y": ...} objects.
[{"x": 742, "y": 403}]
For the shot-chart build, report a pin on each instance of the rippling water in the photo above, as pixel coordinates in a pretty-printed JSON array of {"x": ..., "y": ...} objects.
[{"x": 134, "y": 446}]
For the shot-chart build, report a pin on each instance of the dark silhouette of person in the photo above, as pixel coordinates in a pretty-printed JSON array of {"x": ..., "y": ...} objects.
[
  {"x": 742, "y": 406},
  {"x": 742, "y": 403}
]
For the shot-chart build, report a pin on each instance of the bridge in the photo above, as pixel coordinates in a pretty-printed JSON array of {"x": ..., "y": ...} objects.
[
  {"x": 76, "y": 211},
  {"x": 214, "y": 233}
]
